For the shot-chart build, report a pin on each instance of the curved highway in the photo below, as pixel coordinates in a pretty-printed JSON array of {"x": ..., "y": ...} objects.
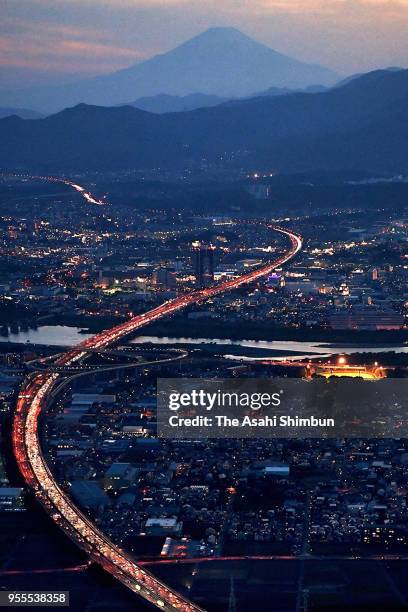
[{"x": 40, "y": 388}]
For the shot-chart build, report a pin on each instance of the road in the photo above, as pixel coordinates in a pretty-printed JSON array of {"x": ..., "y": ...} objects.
[
  {"x": 307, "y": 557},
  {"x": 39, "y": 389}
]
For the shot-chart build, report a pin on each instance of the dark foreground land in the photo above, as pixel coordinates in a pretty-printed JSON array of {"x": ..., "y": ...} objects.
[{"x": 36, "y": 556}]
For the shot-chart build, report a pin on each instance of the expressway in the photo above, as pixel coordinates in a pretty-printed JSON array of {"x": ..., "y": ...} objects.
[
  {"x": 39, "y": 389},
  {"x": 87, "y": 195}
]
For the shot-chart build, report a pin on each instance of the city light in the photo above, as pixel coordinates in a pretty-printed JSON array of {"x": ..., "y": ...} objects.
[{"x": 38, "y": 389}]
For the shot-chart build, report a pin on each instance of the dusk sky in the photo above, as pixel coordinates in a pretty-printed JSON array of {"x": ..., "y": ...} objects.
[{"x": 54, "y": 40}]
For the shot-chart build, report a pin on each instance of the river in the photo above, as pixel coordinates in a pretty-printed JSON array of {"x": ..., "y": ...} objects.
[{"x": 61, "y": 335}]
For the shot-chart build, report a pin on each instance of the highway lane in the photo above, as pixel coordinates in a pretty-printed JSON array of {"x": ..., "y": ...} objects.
[
  {"x": 61, "y": 508},
  {"x": 35, "y": 395}
]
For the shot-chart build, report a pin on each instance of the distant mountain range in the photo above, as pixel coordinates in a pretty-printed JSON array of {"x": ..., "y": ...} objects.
[
  {"x": 164, "y": 103},
  {"x": 362, "y": 125},
  {"x": 220, "y": 62},
  {"x": 23, "y": 113}
]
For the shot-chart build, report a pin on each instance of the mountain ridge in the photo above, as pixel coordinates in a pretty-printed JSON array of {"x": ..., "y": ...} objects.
[{"x": 363, "y": 125}]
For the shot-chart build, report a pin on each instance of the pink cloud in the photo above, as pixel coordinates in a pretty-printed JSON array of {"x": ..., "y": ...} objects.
[{"x": 49, "y": 46}]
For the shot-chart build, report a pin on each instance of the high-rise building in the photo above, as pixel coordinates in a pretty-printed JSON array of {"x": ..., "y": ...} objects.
[
  {"x": 203, "y": 259},
  {"x": 166, "y": 278}
]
